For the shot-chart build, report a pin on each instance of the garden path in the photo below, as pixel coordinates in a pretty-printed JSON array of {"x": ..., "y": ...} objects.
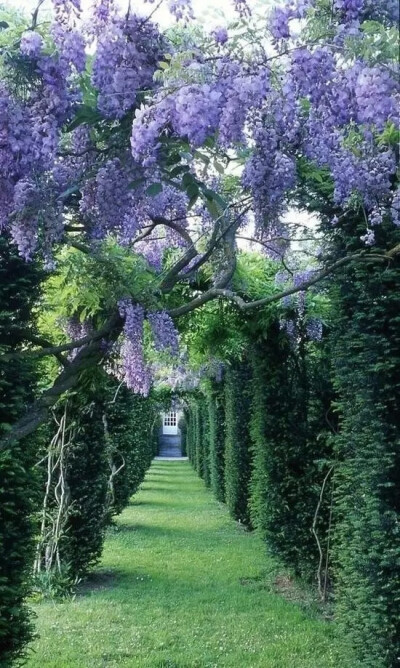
[{"x": 181, "y": 585}]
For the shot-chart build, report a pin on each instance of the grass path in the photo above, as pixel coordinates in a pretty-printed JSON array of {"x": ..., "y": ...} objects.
[{"x": 180, "y": 586}]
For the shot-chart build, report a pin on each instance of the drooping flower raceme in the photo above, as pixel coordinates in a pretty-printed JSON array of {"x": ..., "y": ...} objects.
[
  {"x": 126, "y": 58},
  {"x": 135, "y": 370},
  {"x": 31, "y": 43},
  {"x": 164, "y": 332}
]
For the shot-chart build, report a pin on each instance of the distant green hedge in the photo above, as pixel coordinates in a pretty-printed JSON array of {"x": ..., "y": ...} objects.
[
  {"x": 216, "y": 425},
  {"x": 133, "y": 426},
  {"x": 238, "y": 453}
]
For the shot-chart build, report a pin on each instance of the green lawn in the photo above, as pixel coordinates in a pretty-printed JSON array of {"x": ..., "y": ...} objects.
[{"x": 181, "y": 585}]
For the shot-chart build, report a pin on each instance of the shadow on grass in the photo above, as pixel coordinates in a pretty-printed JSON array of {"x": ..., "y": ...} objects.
[
  {"x": 97, "y": 581},
  {"x": 154, "y": 530}
]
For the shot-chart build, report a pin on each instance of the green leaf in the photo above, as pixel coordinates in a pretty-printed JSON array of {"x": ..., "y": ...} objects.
[
  {"x": 154, "y": 189},
  {"x": 86, "y": 115},
  {"x": 192, "y": 190},
  {"x": 180, "y": 169},
  {"x": 193, "y": 201},
  {"x": 220, "y": 168}
]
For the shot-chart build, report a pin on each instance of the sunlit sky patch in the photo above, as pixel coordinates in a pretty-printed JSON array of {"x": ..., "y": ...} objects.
[{"x": 208, "y": 12}]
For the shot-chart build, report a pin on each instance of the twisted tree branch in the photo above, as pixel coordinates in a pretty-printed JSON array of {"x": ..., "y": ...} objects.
[
  {"x": 216, "y": 291},
  {"x": 89, "y": 356}
]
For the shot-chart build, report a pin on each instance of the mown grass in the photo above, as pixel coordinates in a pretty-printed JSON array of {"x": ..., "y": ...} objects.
[{"x": 181, "y": 585}]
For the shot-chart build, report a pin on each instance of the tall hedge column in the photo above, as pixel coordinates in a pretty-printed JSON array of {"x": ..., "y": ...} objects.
[
  {"x": 237, "y": 441},
  {"x": 216, "y": 421},
  {"x": 367, "y": 539},
  {"x": 18, "y": 288},
  {"x": 288, "y": 436}
]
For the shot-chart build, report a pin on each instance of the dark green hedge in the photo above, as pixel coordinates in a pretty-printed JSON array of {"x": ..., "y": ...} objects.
[
  {"x": 367, "y": 498},
  {"x": 133, "y": 430},
  {"x": 237, "y": 441},
  {"x": 19, "y": 283},
  {"x": 205, "y": 440},
  {"x": 112, "y": 442},
  {"x": 216, "y": 425},
  {"x": 183, "y": 430},
  {"x": 87, "y": 474},
  {"x": 289, "y": 435}
]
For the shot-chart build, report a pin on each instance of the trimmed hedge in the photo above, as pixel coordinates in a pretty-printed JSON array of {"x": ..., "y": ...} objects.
[
  {"x": 183, "y": 430},
  {"x": 133, "y": 426},
  {"x": 19, "y": 283},
  {"x": 288, "y": 436},
  {"x": 216, "y": 422},
  {"x": 367, "y": 498},
  {"x": 87, "y": 474},
  {"x": 112, "y": 438},
  {"x": 205, "y": 437},
  {"x": 237, "y": 441}
]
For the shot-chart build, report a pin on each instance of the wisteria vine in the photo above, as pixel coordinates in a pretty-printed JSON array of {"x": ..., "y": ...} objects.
[{"x": 135, "y": 138}]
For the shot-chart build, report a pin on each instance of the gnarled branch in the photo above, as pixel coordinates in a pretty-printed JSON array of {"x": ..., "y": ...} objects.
[
  {"x": 215, "y": 291},
  {"x": 89, "y": 356}
]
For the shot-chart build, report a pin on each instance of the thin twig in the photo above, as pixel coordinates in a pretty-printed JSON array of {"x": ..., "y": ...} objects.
[{"x": 314, "y": 525}]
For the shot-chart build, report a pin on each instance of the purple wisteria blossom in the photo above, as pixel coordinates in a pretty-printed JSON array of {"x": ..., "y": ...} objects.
[
  {"x": 164, "y": 332},
  {"x": 136, "y": 372},
  {"x": 220, "y": 35},
  {"x": 31, "y": 44},
  {"x": 368, "y": 238},
  {"x": 127, "y": 55}
]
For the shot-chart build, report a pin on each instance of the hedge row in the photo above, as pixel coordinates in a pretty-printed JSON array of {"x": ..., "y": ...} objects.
[
  {"x": 109, "y": 440},
  {"x": 110, "y": 444},
  {"x": 306, "y": 451},
  {"x": 367, "y": 448},
  {"x": 18, "y": 289}
]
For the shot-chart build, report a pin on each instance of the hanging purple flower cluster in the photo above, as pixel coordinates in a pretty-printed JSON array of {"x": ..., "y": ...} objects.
[
  {"x": 126, "y": 58},
  {"x": 67, "y": 36},
  {"x": 375, "y": 93},
  {"x": 281, "y": 17},
  {"x": 35, "y": 203},
  {"x": 164, "y": 332},
  {"x": 31, "y": 44},
  {"x": 269, "y": 174},
  {"x": 395, "y": 208},
  {"x": 181, "y": 9},
  {"x": 136, "y": 372},
  {"x": 102, "y": 11},
  {"x": 314, "y": 329},
  {"x": 354, "y": 11},
  {"x": 75, "y": 330},
  {"x": 196, "y": 111},
  {"x": 107, "y": 203}
]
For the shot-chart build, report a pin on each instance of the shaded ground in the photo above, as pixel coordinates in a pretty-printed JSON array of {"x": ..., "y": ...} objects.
[
  {"x": 181, "y": 586},
  {"x": 170, "y": 446}
]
